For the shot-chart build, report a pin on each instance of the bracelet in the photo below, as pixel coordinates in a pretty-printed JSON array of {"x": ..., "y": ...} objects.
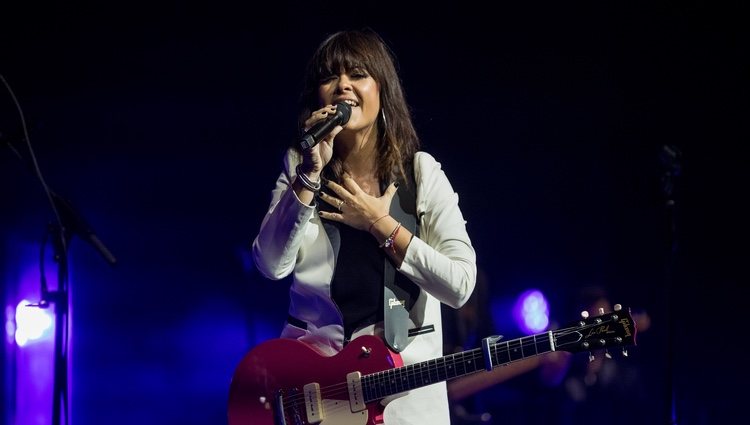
[
  {"x": 373, "y": 223},
  {"x": 391, "y": 241},
  {"x": 306, "y": 182}
]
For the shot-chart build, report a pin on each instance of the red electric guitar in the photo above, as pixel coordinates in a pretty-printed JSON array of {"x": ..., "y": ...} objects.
[{"x": 287, "y": 382}]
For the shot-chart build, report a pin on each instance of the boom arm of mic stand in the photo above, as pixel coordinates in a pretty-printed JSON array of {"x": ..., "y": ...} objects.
[{"x": 73, "y": 222}]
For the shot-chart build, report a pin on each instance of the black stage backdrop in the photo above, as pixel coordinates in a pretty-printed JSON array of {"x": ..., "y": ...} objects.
[{"x": 565, "y": 128}]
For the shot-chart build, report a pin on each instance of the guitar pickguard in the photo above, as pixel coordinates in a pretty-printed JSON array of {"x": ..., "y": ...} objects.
[{"x": 337, "y": 412}]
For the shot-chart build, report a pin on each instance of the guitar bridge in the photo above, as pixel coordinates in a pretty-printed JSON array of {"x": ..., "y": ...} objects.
[
  {"x": 279, "y": 417},
  {"x": 289, "y": 408}
]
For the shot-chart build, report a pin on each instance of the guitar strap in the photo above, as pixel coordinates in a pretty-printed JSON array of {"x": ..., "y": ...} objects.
[{"x": 400, "y": 293}]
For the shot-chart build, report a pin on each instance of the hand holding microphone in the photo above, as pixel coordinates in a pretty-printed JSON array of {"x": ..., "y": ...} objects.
[{"x": 319, "y": 131}]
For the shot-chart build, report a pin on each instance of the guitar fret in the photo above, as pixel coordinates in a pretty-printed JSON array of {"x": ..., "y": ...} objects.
[
  {"x": 405, "y": 385},
  {"x": 426, "y": 379},
  {"x": 503, "y": 356},
  {"x": 514, "y": 351},
  {"x": 442, "y": 373},
  {"x": 424, "y": 374},
  {"x": 431, "y": 372},
  {"x": 458, "y": 364},
  {"x": 367, "y": 387},
  {"x": 381, "y": 390},
  {"x": 468, "y": 363},
  {"x": 413, "y": 375},
  {"x": 399, "y": 380},
  {"x": 547, "y": 344},
  {"x": 374, "y": 386},
  {"x": 450, "y": 367}
]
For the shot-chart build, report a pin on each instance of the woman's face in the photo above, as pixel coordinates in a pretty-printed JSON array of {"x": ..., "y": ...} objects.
[{"x": 359, "y": 90}]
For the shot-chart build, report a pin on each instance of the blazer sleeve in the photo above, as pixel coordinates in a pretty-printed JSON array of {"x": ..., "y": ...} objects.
[
  {"x": 442, "y": 260},
  {"x": 275, "y": 248}
]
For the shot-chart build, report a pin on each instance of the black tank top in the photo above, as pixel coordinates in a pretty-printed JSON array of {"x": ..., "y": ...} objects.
[{"x": 357, "y": 285}]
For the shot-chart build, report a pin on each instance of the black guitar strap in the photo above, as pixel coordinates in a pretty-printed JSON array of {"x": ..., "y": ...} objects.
[{"x": 400, "y": 293}]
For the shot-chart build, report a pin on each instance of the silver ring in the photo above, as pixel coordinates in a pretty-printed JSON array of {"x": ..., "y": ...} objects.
[{"x": 340, "y": 204}]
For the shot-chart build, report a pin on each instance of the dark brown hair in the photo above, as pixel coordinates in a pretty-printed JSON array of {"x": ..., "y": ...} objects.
[{"x": 347, "y": 50}]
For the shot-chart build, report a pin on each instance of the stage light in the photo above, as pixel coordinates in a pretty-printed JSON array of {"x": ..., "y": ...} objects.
[
  {"x": 32, "y": 323},
  {"x": 531, "y": 311}
]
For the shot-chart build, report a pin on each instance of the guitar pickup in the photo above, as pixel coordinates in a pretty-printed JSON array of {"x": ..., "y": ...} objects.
[
  {"x": 354, "y": 383},
  {"x": 313, "y": 403}
]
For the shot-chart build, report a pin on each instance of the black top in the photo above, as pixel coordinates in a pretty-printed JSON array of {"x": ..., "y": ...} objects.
[{"x": 357, "y": 285}]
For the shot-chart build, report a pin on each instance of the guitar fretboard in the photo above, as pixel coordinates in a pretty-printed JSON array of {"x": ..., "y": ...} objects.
[{"x": 382, "y": 384}]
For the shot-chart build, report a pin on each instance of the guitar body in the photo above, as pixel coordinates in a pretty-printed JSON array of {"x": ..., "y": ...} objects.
[{"x": 284, "y": 366}]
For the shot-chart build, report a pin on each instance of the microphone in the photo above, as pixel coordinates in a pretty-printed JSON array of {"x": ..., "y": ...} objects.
[{"x": 320, "y": 130}]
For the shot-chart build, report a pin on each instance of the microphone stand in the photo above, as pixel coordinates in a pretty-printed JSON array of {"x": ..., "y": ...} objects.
[
  {"x": 61, "y": 232},
  {"x": 61, "y": 299},
  {"x": 69, "y": 223}
]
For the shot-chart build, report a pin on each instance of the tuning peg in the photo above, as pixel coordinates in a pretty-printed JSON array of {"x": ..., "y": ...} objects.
[
  {"x": 618, "y": 307},
  {"x": 607, "y": 354},
  {"x": 591, "y": 357},
  {"x": 624, "y": 352},
  {"x": 601, "y": 310},
  {"x": 585, "y": 314}
]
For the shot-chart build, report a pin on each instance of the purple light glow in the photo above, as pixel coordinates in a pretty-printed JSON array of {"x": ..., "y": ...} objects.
[
  {"x": 10, "y": 324},
  {"x": 30, "y": 333},
  {"x": 531, "y": 311}
]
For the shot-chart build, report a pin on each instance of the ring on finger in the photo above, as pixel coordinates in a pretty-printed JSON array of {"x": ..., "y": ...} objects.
[{"x": 340, "y": 204}]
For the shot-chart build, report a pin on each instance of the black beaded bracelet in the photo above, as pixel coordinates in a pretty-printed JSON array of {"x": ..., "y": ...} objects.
[{"x": 309, "y": 184}]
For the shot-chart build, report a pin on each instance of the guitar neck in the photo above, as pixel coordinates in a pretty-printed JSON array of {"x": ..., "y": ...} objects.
[{"x": 382, "y": 384}]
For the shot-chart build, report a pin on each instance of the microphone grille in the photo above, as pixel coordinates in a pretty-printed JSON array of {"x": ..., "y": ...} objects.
[{"x": 343, "y": 109}]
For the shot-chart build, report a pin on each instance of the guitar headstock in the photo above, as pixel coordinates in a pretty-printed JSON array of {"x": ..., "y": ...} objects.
[{"x": 615, "y": 329}]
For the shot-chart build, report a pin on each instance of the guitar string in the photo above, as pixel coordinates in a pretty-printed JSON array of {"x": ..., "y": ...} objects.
[
  {"x": 386, "y": 377},
  {"x": 420, "y": 369},
  {"x": 343, "y": 405},
  {"x": 412, "y": 371},
  {"x": 340, "y": 390}
]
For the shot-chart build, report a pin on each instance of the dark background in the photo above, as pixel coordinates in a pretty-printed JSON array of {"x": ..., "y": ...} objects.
[{"x": 165, "y": 124}]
